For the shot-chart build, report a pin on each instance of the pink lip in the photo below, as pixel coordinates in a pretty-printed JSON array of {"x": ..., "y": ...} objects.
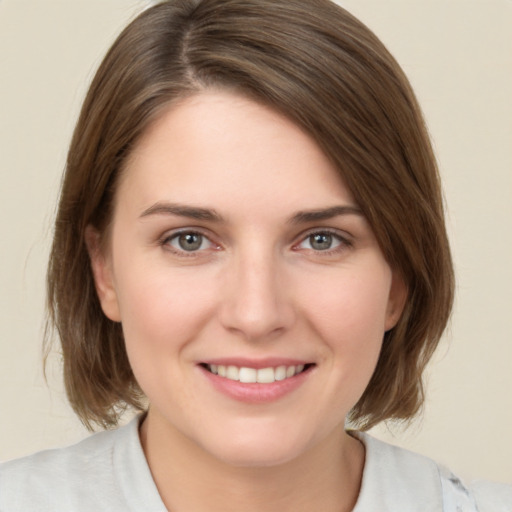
[{"x": 255, "y": 393}]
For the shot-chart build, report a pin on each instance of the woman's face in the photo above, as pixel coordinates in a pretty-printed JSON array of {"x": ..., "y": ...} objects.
[{"x": 252, "y": 292}]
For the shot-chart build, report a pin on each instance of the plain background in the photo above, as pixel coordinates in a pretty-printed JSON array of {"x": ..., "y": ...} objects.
[{"x": 458, "y": 55}]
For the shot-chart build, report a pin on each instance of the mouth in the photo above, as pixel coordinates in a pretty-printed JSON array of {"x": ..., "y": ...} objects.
[{"x": 248, "y": 375}]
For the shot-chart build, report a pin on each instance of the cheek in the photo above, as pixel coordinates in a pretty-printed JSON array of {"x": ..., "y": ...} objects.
[
  {"x": 355, "y": 304},
  {"x": 349, "y": 314},
  {"x": 162, "y": 309},
  {"x": 162, "y": 312}
]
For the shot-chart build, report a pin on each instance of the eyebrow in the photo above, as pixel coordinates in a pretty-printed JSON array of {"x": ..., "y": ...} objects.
[
  {"x": 324, "y": 214},
  {"x": 198, "y": 213},
  {"x": 191, "y": 212}
]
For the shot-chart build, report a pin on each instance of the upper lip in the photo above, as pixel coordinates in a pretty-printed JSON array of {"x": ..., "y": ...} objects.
[{"x": 268, "y": 362}]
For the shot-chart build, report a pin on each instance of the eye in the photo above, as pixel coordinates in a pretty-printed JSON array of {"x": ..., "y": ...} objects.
[
  {"x": 322, "y": 241},
  {"x": 188, "y": 241}
]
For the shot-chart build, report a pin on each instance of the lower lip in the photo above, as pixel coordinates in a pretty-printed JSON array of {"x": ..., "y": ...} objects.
[{"x": 256, "y": 393}]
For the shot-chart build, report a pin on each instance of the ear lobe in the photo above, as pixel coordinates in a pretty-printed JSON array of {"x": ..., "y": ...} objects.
[
  {"x": 396, "y": 302},
  {"x": 101, "y": 266}
]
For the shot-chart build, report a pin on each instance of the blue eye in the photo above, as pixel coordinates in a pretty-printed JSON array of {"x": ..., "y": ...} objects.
[{"x": 189, "y": 241}]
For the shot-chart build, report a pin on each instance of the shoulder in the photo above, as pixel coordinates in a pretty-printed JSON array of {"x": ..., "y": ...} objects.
[
  {"x": 484, "y": 496},
  {"x": 79, "y": 477},
  {"x": 492, "y": 496},
  {"x": 401, "y": 480}
]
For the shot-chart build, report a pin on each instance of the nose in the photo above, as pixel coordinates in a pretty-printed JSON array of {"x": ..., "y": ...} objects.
[{"x": 257, "y": 303}]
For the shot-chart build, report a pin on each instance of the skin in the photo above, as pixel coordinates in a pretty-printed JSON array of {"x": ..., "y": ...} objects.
[{"x": 256, "y": 287}]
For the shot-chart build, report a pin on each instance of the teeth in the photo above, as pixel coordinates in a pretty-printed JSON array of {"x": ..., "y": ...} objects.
[
  {"x": 248, "y": 375},
  {"x": 280, "y": 373},
  {"x": 266, "y": 375},
  {"x": 253, "y": 375},
  {"x": 232, "y": 373}
]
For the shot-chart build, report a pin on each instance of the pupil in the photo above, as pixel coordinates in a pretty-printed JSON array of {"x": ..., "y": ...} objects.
[
  {"x": 321, "y": 241},
  {"x": 190, "y": 241}
]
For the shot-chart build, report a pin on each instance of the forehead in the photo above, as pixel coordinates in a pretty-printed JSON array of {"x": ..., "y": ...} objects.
[{"x": 219, "y": 150}]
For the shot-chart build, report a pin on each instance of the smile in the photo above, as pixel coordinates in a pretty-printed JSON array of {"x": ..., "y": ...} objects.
[{"x": 252, "y": 375}]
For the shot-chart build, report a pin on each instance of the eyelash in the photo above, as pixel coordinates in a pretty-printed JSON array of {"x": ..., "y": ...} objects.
[
  {"x": 343, "y": 242},
  {"x": 167, "y": 239}
]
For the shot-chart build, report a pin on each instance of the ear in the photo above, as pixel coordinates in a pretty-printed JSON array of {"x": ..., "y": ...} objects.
[
  {"x": 396, "y": 302},
  {"x": 101, "y": 265}
]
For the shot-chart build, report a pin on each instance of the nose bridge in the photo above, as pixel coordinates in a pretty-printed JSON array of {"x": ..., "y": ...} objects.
[{"x": 256, "y": 303}]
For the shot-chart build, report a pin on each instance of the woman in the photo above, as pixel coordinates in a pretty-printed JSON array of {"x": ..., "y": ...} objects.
[{"x": 231, "y": 257}]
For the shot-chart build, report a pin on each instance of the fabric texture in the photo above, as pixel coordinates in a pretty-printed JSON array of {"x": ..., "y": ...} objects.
[{"x": 108, "y": 472}]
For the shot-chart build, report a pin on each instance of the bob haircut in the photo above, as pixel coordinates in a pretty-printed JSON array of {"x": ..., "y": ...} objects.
[{"x": 324, "y": 70}]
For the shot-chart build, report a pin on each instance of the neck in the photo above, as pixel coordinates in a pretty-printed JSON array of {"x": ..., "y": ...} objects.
[{"x": 327, "y": 477}]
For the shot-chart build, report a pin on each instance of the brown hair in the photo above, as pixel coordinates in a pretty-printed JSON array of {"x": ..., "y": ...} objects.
[{"x": 315, "y": 63}]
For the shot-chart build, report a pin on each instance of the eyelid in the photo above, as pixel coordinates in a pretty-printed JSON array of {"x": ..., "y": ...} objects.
[
  {"x": 165, "y": 239},
  {"x": 343, "y": 237}
]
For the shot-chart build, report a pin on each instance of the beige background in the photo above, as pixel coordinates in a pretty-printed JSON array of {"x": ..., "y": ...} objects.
[{"x": 458, "y": 55}]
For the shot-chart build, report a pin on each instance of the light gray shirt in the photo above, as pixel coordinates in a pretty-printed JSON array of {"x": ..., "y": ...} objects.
[{"x": 109, "y": 472}]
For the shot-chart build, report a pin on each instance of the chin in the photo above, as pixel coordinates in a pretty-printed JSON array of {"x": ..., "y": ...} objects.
[
  {"x": 259, "y": 449},
  {"x": 257, "y": 456}
]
